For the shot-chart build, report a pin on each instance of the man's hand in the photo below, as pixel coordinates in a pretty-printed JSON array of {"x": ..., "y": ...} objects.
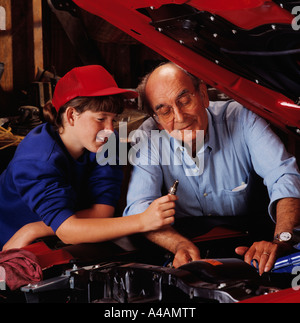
[
  {"x": 265, "y": 253},
  {"x": 186, "y": 252},
  {"x": 183, "y": 249}
]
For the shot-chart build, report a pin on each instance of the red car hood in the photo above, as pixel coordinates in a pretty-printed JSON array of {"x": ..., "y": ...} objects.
[{"x": 248, "y": 49}]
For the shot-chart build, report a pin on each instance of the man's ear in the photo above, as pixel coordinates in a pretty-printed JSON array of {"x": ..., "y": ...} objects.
[
  {"x": 204, "y": 94},
  {"x": 70, "y": 115}
]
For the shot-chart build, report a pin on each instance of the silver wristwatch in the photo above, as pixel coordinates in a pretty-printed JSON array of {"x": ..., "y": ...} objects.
[{"x": 284, "y": 237}]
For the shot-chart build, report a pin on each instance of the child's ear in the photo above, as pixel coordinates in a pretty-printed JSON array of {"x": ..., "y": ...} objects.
[{"x": 70, "y": 115}]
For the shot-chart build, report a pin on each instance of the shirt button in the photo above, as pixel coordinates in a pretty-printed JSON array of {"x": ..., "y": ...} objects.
[{"x": 205, "y": 194}]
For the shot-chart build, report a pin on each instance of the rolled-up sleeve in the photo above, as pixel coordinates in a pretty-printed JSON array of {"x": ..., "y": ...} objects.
[{"x": 271, "y": 161}]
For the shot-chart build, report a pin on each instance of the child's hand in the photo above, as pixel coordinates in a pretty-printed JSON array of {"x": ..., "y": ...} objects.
[{"x": 159, "y": 213}]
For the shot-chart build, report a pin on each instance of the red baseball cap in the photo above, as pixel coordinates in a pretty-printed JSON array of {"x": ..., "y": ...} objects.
[{"x": 91, "y": 80}]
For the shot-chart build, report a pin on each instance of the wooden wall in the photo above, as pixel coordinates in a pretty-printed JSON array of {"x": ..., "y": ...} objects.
[
  {"x": 121, "y": 55},
  {"x": 21, "y": 50},
  {"x": 34, "y": 38}
]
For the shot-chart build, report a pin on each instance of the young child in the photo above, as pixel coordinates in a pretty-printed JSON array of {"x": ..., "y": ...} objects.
[{"x": 54, "y": 185}]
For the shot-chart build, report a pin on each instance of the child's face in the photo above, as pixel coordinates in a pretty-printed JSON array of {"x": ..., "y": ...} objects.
[{"x": 87, "y": 126}]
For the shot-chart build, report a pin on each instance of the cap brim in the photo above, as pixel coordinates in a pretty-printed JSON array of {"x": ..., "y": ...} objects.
[{"x": 128, "y": 94}]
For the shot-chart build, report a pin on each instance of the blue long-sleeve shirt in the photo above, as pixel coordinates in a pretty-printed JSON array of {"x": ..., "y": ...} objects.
[
  {"x": 238, "y": 144},
  {"x": 44, "y": 183}
]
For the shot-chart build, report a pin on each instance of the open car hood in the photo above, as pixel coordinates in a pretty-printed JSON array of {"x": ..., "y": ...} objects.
[{"x": 248, "y": 49}]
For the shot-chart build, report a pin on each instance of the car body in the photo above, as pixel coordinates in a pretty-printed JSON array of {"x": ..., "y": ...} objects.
[{"x": 248, "y": 50}]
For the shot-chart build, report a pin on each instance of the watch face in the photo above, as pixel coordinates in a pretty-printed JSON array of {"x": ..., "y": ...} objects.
[{"x": 285, "y": 236}]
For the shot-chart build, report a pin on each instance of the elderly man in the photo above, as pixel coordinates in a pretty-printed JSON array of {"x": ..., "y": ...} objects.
[{"x": 215, "y": 151}]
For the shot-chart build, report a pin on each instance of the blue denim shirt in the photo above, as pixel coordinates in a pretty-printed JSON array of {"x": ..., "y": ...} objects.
[{"x": 238, "y": 145}]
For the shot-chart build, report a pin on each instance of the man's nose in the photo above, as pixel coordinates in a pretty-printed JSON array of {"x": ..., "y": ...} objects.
[{"x": 178, "y": 114}]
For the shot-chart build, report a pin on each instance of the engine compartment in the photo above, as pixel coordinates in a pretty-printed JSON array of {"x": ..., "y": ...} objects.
[{"x": 120, "y": 273}]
